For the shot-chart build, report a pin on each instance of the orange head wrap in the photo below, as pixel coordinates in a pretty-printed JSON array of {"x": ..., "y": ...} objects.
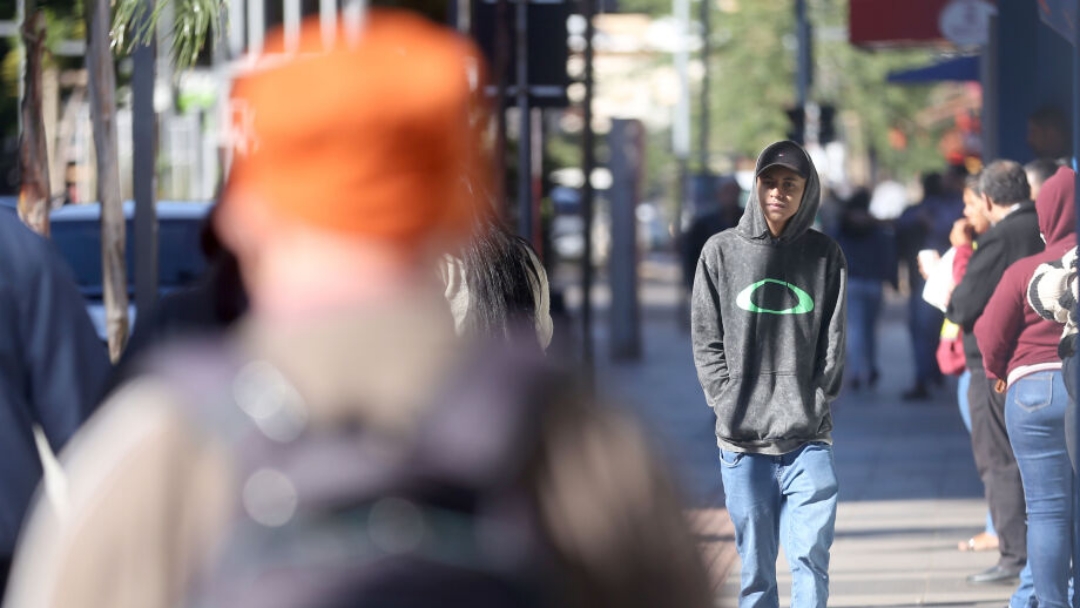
[{"x": 376, "y": 136}]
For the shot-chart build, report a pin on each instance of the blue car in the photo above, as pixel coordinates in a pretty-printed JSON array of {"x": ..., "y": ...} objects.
[{"x": 76, "y": 231}]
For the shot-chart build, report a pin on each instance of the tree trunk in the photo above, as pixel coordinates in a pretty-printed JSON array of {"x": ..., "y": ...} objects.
[
  {"x": 99, "y": 62},
  {"x": 33, "y": 151}
]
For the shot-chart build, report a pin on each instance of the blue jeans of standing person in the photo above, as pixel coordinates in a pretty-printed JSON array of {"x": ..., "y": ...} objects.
[
  {"x": 1035, "y": 417},
  {"x": 924, "y": 326},
  {"x": 863, "y": 309},
  {"x": 962, "y": 385},
  {"x": 787, "y": 500}
]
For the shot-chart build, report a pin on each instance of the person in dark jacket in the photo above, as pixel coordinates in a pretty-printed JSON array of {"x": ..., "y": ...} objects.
[
  {"x": 925, "y": 226},
  {"x": 52, "y": 367},
  {"x": 1020, "y": 352},
  {"x": 725, "y": 215},
  {"x": 870, "y": 250},
  {"x": 768, "y": 331},
  {"x": 1014, "y": 234}
]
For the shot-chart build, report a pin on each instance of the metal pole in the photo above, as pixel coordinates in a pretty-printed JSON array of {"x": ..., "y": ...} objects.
[
  {"x": 802, "y": 71},
  {"x": 20, "y": 21},
  {"x": 144, "y": 152},
  {"x": 705, "y": 52},
  {"x": 680, "y": 144},
  {"x": 256, "y": 27},
  {"x": 588, "y": 163},
  {"x": 624, "y": 314},
  {"x": 524, "y": 185},
  {"x": 501, "y": 60}
]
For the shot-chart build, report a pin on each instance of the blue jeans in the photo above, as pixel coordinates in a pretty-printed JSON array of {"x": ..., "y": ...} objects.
[
  {"x": 924, "y": 326},
  {"x": 788, "y": 500},
  {"x": 962, "y": 385},
  {"x": 1035, "y": 415},
  {"x": 863, "y": 309}
]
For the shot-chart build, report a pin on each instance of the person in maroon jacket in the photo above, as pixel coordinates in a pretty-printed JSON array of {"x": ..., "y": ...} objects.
[{"x": 1020, "y": 350}]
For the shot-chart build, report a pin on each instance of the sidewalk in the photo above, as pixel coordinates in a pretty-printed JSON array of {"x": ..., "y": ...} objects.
[{"x": 908, "y": 487}]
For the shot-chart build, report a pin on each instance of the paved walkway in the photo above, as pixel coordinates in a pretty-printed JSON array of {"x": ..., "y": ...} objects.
[{"x": 909, "y": 490}]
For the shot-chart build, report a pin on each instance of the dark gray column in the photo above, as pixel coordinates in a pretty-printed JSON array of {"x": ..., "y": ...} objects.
[{"x": 625, "y": 141}]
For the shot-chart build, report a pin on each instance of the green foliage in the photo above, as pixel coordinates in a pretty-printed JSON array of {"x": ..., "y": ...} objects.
[
  {"x": 194, "y": 20},
  {"x": 752, "y": 71},
  {"x": 855, "y": 81}
]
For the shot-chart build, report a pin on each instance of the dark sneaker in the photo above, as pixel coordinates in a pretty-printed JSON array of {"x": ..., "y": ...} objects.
[{"x": 997, "y": 574}]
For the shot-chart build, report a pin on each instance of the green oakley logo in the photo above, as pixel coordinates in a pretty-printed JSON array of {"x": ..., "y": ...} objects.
[{"x": 745, "y": 300}]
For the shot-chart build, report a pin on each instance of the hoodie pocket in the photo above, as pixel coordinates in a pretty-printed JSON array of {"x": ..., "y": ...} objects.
[{"x": 769, "y": 407}]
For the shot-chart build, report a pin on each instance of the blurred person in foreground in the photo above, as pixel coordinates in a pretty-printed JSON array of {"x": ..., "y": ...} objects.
[
  {"x": 338, "y": 217},
  {"x": 767, "y": 326},
  {"x": 1020, "y": 353},
  {"x": 1013, "y": 234},
  {"x": 870, "y": 251},
  {"x": 52, "y": 367}
]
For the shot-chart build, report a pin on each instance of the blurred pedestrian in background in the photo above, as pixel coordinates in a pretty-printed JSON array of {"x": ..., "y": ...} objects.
[
  {"x": 925, "y": 226},
  {"x": 1013, "y": 234},
  {"x": 724, "y": 215},
  {"x": 771, "y": 360},
  {"x": 870, "y": 250},
  {"x": 1048, "y": 133},
  {"x": 1020, "y": 352},
  {"x": 339, "y": 448},
  {"x": 52, "y": 367},
  {"x": 496, "y": 283}
]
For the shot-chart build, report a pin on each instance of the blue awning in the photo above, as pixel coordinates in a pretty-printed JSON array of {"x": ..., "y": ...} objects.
[{"x": 959, "y": 69}]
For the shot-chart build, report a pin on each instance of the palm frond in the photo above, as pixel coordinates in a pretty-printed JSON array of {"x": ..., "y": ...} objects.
[{"x": 135, "y": 22}]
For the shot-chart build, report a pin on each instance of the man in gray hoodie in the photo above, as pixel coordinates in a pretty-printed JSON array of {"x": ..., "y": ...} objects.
[{"x": 768, "y": 334}]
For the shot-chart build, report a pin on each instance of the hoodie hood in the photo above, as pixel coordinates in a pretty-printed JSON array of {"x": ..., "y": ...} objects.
[
  {"x": 753, "y": 224},
  {"x": 1056, "y": 208}
]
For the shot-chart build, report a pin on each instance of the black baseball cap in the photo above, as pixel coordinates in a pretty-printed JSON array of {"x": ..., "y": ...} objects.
[{"x": 785, "y": 154}]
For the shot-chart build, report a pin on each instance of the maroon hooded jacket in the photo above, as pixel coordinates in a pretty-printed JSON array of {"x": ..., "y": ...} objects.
[{"x": 1009, "y": 333}]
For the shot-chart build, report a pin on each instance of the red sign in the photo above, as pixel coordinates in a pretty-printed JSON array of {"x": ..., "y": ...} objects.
[{"x": 893, "y": 23}]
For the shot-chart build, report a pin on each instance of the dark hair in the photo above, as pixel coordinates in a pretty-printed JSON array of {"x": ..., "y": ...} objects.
[
  {"x": 932, "y": 184},
  {"x": 500, "y": 274},
  {"x": 1005, "y": 183},
  {"x": 858, "y": 201},
  {"x": 971, "y": 182},
  {"x": 1042, "y": 169},
  {"x": 1050, "y": 117}
]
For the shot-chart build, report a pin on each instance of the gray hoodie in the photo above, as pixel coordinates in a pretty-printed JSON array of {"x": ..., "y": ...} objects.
[{"x": 768, "y": 328}]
